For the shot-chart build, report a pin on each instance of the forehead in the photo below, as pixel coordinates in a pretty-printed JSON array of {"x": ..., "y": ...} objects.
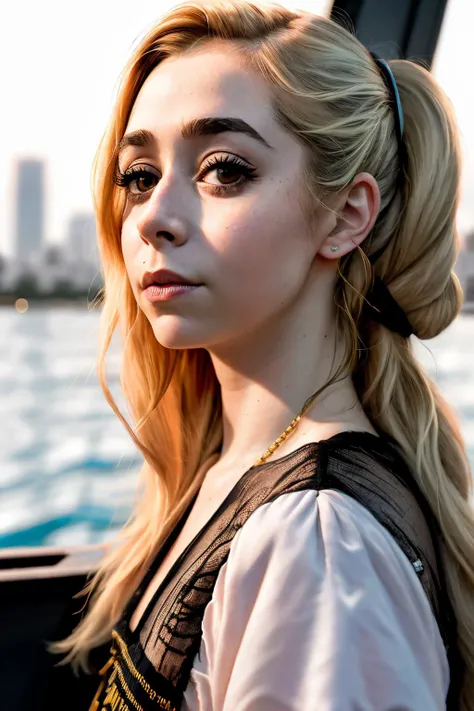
[{"x": 212, "y": 81}]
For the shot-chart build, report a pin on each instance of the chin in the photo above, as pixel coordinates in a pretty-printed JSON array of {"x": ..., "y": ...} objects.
[{"x": 173, "y": 332}]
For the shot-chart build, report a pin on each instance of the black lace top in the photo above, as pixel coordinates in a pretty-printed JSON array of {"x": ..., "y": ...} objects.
[{"x": 150, "y": 667}]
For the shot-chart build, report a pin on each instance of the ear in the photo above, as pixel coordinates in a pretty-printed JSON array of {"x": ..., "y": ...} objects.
[{"x": 358, "y": 207}]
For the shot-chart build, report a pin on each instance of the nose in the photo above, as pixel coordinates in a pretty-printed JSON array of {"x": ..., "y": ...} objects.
[{"x": 163, "y": 215}]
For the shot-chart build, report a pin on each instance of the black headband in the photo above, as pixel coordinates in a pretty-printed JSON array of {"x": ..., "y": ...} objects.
[
  {"x": 380, "y": 304},
  {"x": 391, "y": 85}
]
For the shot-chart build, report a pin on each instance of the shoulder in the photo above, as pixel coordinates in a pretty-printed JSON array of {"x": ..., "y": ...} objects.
[
  {"x": 328, "y": 539},
  {"x": 318, "y": 528},
  {"x": 325, "y": 550},
  {"x": 316, "y": 600}
]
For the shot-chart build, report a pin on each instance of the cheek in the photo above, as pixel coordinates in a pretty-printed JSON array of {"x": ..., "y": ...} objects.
[
  {"x": 128, "y": 243},
  {"x": 262, "y": 250},
  {"x": 133, "y": 266},
  {"x": 127, "y": 255}
]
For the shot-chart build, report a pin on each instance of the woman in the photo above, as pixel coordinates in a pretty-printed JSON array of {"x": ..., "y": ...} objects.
[{"x": 303, "y": 538}]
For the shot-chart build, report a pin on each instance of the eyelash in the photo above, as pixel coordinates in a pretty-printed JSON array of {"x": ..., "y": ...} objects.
[{"x": 124, "y": 180}]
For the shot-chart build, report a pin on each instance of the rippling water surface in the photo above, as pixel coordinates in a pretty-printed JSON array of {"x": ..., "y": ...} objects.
[{"x": 67, "y": 466}]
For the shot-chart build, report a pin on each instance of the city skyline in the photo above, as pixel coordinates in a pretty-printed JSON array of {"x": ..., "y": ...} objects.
[
  {"x": 30, "y": 201},
  {"x": 28, "y": 208},
  {"x": 70, "y": 93}
]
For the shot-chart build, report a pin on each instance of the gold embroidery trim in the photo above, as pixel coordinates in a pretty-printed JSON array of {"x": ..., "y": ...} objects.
[
  {"x": 95, "y": 703},
  {"x": 154, "y": 696},
  {"x": 126, "y": 688},
  {"x": 113, "y": 698}
]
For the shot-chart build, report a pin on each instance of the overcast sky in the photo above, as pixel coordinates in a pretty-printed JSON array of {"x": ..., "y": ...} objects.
[{"x": 59, "y": 66}]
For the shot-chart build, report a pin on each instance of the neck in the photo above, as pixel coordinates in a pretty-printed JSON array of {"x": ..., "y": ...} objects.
[{"x": 266, "y": 378}]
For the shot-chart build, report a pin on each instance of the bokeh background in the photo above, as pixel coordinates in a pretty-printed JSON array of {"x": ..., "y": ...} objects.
[{"x": 68, "y": 469}]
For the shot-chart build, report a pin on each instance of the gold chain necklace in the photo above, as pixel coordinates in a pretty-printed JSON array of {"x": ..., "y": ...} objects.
[{"x": 286, "y": 433}]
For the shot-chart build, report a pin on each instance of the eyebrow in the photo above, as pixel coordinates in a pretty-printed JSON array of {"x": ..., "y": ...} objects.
[{"x": 196, "y": 128}]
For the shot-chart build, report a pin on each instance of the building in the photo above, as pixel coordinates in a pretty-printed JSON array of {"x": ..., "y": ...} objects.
[
  {"x": 465, "y": 272},
  {"x": 29, "y": 209},
  {"x": 82, "y": 239}
]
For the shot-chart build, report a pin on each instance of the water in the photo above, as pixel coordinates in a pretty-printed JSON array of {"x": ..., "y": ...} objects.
[
  {"x": 67, "y": 466},
  {"x": 68, "y": 469}
]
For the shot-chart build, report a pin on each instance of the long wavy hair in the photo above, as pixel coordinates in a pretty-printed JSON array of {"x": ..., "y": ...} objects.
[{"x": 327, "y": 92}]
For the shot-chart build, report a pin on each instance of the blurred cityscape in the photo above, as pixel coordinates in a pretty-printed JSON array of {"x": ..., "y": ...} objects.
[
  {"x": 39, "y": 270},
  {"x": 70, "y": 271},
  {"x": 465, "y": 271}
]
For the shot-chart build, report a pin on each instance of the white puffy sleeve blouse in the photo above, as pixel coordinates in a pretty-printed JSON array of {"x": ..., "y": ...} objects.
[{"x": 317, "y": 609}]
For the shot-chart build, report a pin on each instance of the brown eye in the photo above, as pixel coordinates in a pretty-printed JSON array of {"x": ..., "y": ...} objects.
[
  {"x": 144, "y": 182},
  {"x": 228, "y": 174},
  {"x": 136, "y": 181},
  {"x": 226, "y": 171}
]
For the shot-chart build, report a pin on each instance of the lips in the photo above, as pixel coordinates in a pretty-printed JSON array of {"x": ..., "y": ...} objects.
[{"x": 165, "y": 277}]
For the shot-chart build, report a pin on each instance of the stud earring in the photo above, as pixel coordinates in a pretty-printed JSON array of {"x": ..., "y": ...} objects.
[{"x": 334, "y": 248}]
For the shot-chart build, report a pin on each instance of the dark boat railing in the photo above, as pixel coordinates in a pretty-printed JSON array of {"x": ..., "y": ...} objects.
[{"x": 37, "y": 586}]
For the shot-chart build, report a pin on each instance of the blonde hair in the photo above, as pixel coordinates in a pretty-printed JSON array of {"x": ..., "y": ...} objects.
[{"x": 328, "y": 92}]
